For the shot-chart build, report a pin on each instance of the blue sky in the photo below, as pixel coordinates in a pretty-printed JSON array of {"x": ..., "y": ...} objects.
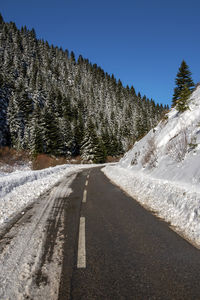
[{"x": 141, "y": 42}]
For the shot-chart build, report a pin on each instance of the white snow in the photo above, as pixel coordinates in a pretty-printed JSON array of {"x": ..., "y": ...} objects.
[
  {"x": 162, "y": 170},
  {"x": 23, "y": 247},
  {"x": 20, "y": 188},
  {"x": 5, "y": 169}
]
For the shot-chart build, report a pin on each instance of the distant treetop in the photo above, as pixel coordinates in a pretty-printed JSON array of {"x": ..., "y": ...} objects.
[{"x": 183, "y": 80}]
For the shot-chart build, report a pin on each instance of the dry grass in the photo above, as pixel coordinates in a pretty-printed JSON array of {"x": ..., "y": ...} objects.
[
  {"x": 111, "y": 159},
  {"x": 10, "y": 156},
  {"x": 43, "y": 161},
  {"x": 75, "y": 160}
]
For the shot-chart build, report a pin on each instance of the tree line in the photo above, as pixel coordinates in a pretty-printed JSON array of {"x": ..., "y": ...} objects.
[{"x": 53, "y": 103}]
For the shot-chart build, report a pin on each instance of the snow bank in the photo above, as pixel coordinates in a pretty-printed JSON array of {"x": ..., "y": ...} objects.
[
  {"x": 22, "y": 187},
  {"x": 178, "y": 205},
  {"x": 162, "y": 170},
  {"x": 6, "y": 169}
]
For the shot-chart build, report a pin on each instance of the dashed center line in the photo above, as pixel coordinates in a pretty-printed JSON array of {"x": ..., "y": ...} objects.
[
  {"x": 81, "y": 259},
  {"x": 84, "y": 196}
]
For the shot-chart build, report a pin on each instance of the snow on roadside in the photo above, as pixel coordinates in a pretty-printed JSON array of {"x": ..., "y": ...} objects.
[
  {"x": 162, "y": 171},
  {"x": 18, "y": 189},
  {"x": 6, "y": 169},
  {"x": 177, "y": 204}
]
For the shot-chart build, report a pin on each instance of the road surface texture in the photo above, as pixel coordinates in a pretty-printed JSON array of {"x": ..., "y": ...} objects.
[{"x": 96, "y": 243}]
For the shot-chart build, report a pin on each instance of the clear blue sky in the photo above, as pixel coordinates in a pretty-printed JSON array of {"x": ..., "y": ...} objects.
[{"x": 142, "y": 42}]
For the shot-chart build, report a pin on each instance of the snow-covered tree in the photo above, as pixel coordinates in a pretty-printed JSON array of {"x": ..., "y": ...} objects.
[
  {"x": 183, "y": 80},
  {"x": 68, "y": 94}
]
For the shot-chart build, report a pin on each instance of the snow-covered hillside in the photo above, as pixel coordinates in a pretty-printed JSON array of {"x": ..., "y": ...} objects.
[{"x": 162, "y": 170}]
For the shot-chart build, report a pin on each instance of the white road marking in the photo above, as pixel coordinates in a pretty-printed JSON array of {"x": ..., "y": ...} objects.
[
  {"x": 81, "y": 260},
  {"x": 88, "y": 176},
  {"x": 84, "y": 196},
  {"x": 86, "y": 183}
]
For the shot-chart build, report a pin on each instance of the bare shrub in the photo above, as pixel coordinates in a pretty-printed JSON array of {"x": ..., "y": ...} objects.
[
  {"x": 192, "y": 144},
  {"x": 75, "y": 160},
  {"x": 110, "y": 159},
  {"x": 177, "y": 146},
  {"x": 164, "y": 118},
  {"x": 43, "y": 161},
  {"x": 11, "y": 156},
  {"x": 135, "y": 158},
  {"x": 150, "y": 157}
]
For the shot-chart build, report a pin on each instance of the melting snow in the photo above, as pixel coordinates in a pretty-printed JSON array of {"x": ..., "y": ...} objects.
[{"x": 20, "y": 188}]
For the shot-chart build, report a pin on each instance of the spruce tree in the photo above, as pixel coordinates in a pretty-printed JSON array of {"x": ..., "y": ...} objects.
[
  {"x": 53, "y": 140},
  {"x": 37, "y": 132},
  {"x": 69, "y": 92},
  {"x": 1, "y": 19},
  {"x": 106, "y": 140},
  {"x": 67, "y": 136},
  {"x": 99, "y": 150},
  {"x": 92, "y": 149},
  {"x": 72, "y": 57},
  {"x": 19, "y": 110},
  {"x": 78, "y": 134},
  {"x": 182, "y": 102},
  {"x": 183, "y": 80}
]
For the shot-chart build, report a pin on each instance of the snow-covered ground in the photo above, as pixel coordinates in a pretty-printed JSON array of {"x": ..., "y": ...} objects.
[
  {"x": 20, "y": 188},
  {"x": 5, "y": 169},
  {"x": 162, "y": 170}
]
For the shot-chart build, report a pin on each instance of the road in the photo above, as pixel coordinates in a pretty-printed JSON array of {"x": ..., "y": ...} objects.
[{"x": 97, "y": 243}]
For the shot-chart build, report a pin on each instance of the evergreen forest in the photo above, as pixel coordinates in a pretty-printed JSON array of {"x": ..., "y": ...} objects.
[{"x": 54, "y": 103}]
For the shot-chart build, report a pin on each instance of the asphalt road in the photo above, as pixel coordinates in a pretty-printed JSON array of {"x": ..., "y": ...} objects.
[
  {"x": 129, "y": 252},
  {"x": 96, "y": 243}
]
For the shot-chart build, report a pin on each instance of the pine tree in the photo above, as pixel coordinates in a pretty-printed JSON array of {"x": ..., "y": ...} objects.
[
  {"x": 106, "y": 140},
  {"x": 67, "y": 136},
  {"x": 182, "y": 102},
  {"x": 92, "y": 149},
  {"x": 78, "y": 133},
  {"x": 183, "y": 79},
  {"x": 18, "y": 116},
  {"x": 53, "y": 141},
  {"x": 69, "y": 92},
  {"x": 1, "y": 19},
  {"x": 72, "y": 57},
  {"x": 37, "y": 137},
  {"x": 99, "y": 151}
]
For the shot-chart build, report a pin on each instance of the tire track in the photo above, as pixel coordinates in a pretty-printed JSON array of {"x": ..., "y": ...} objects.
[{"x": 31, "y": 247}]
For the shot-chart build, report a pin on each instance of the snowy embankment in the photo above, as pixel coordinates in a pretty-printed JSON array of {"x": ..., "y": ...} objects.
[
  {"x": 178, "y": 205},
  {"x": 162, "y": 170},
  {"x": 20, "y": 188}
]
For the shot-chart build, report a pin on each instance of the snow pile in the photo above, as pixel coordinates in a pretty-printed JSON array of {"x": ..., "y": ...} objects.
[
  {"x": 20, "y": 188},
  {"x": 5, "y": 169},
  {"x": 162, "y": 170}
]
